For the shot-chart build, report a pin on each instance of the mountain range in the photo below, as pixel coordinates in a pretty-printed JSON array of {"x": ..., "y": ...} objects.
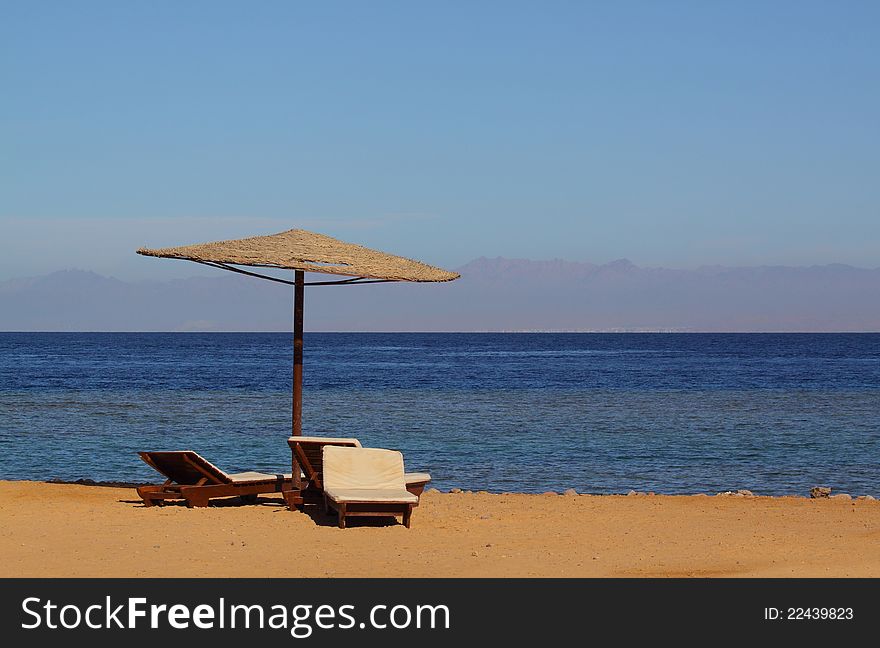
[{"x": 492, "y": 295}]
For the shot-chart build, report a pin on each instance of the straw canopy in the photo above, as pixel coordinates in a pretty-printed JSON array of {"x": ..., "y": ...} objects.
[
  {"x": 303, "y": 252},
  {"x": 298, "y": 249}
]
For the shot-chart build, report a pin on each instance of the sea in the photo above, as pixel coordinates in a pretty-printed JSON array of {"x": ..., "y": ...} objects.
[{"x": 511, "y": 412}]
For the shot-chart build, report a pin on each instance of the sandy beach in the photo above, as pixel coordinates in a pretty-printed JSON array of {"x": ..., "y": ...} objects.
[{"x": 53, "y": 530}]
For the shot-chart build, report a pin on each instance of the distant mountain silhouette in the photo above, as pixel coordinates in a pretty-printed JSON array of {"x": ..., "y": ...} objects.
[{"x": 492, "y": 295}]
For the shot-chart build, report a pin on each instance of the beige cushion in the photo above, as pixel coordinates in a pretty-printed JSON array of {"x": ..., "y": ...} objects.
[
  {"x": 414, "y": 478},
  {"x": 362, "y": 468},
  {"x": 393, "y": 495},
  {"x": 251, "y": 476},
  {"x": 342, "y": 440}
]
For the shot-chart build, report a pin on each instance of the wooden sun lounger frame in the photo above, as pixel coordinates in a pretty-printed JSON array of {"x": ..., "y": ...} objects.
[
  {"x": 306, "y": 469},
  {"x": 367, "y": 508},
  {"x": 307, "y": 485},
  {"x": 210, "y": 485}
]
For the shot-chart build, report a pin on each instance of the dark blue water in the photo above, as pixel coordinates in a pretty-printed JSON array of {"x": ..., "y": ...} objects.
[{"x": 602, "y": 413}]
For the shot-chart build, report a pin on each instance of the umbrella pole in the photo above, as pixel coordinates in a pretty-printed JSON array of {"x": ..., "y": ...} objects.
[{"x": 298, "y": 294}]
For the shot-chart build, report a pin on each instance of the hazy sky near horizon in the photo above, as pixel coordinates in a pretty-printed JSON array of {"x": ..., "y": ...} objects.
[{"x": 670, "y": 133}]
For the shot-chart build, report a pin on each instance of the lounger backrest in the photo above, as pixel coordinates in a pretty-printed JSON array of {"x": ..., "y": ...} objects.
[
  {"x": 362, "y": 468},
  {"x": 309, "y": 453},
  {"x": 185, "y": 467}
]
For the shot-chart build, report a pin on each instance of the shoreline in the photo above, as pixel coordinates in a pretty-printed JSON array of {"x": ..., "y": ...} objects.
[
  {"x": 454, "y": 491},
  {"x": 57, "y": 530}
]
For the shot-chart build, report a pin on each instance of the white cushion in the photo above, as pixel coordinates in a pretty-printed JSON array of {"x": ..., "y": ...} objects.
[
  {"x": 393, "y": 495},
  {"x": 346, "y": 468},
  {"x": 251, "y": 476},
  {"x": 414, "y": 478}
]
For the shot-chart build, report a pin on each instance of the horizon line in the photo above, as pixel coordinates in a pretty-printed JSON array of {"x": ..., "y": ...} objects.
[{"x": 480, "y": 332}]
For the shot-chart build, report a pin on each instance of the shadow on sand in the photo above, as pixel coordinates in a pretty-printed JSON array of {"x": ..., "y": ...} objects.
[{"x": 314, "y": 511}]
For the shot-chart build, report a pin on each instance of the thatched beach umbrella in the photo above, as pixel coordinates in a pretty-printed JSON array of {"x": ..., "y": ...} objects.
[{"x": 303, "y": 252}]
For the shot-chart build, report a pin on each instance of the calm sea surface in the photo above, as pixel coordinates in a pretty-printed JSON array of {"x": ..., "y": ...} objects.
[{"x": 602, "y": 413}]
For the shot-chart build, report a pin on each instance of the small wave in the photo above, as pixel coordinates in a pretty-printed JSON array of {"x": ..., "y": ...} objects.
[{"x": 389, "y": 348}]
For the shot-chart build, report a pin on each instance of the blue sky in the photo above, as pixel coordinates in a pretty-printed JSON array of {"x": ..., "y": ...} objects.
[{"x": 671, "y": 133}]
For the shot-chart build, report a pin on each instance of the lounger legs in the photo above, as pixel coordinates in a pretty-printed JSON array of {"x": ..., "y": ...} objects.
[
  {"x": 156, "y": 495},
  {"x": 293, "y": 498},
  {"x": 342, "y": 512}
]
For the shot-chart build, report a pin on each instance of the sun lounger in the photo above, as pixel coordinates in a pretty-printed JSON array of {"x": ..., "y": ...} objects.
[
  {"x": 366, "y": 482},
  {"x": 307, "y": 460},
  {"x": 195, "y": 479}
]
